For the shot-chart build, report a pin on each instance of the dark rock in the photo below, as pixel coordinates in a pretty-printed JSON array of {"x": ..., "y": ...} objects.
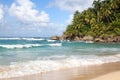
[
  {"x": 63, "y": 37},
  {"x": 54, "y": 38}
]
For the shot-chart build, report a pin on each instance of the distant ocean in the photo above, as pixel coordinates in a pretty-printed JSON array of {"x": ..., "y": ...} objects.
[{"x": 26, "y": 56}]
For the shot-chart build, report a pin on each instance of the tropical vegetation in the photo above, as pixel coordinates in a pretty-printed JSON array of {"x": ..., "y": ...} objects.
[{"x": 100, "y": 20}]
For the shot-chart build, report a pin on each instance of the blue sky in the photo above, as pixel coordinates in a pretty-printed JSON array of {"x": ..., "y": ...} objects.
[{"x": 37, "y": 18}]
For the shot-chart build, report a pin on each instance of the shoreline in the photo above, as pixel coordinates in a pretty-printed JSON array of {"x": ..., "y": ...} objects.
[
  {"x": 98, "y": 71},
  {"x": 80, "y": 73},
  {"x": 110, "y": 76},
  {"x": 88, "y": 39}
]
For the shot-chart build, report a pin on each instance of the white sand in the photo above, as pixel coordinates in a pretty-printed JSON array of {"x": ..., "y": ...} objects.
[{"x": 109, "y": 76}]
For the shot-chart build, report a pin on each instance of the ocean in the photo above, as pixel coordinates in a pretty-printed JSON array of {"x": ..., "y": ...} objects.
[{"x": 27, "y": 56}]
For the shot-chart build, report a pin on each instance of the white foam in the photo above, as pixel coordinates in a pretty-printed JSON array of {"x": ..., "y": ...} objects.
[
  {"x": 9, "y": 38},
  {"x": 55, "y": 44},
  {"x": 51, "y": 40},
  {"x": 28, "y": 45},
  {"x": 32, "y": 39},
  {"x": 38, "y": 66},
  {"x": 89, "y": 41},
  {"x": 19, "y": 46}
]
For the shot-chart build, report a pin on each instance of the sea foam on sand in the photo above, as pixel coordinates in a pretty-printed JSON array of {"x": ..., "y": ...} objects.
[{"x": 51, "y": 64}]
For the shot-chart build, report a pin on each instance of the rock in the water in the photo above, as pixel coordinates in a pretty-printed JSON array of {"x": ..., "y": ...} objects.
[
  {"x": 54, "y": 38},
  {"x": 63, "y": 37}
]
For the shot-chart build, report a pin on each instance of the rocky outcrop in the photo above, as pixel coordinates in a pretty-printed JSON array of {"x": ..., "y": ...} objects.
[
  {"x": 98, "y": 40},
  {"x": 106, "y": 39},
  {"x": 116, "y": 39},
  {"x": 63, "y": 37},
  {"x": 54, "y": 38},
  {"x": 88, "y": 38},
  {"x": 77, "y": 38}
]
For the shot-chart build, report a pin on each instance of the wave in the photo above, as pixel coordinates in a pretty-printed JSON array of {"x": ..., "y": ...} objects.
[
  {"x": 55, "y": 44},
  {"x": 28, "y": 45},
  {"x": 50, "y": 64},
  {"x": 9, "y": 38},
  {"x": 19, "y": 46},
  {"x": 51, "y": 40},
  {"x": 33, "y": 39}
]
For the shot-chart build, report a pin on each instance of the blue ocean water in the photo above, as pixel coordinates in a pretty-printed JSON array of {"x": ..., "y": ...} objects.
[{"x": 34, "y": 55}]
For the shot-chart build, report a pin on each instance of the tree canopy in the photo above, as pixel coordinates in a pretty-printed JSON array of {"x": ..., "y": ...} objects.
[{"x": 100, "y": 20}]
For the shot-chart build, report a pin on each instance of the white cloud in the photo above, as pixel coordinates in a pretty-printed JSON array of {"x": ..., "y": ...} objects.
[
  {"x": 1, "y": 13},
  {"x": 25, "y": 11},
  {"x": 72, "y": 5},
  {"x": 31, "y": 21}
]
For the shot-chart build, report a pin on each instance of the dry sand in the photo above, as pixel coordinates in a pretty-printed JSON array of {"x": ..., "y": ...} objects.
[{"x": 109, "y": 76}]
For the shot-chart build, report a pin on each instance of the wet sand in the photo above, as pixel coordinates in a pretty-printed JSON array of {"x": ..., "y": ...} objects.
[{"x": 81, "y": 73}]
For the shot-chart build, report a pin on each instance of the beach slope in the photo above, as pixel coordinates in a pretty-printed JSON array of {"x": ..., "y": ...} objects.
[{"x": 109, "y": 76}]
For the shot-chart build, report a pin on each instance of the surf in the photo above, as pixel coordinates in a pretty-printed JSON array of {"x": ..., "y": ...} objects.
[
  {"x": 19, "y": 46},
  {"x": 52, "y": 64}
]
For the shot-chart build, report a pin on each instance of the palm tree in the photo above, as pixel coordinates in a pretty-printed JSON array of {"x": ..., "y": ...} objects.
[
  {"x": 101, "y": 20},
  {"x": 114, "y": 4},
  {"x": 97, "y": 5},
  {"x": 106, "y": 11}
]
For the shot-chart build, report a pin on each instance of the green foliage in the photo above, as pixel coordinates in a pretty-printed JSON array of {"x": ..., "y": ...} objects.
[{"x": 103, "y": 19}]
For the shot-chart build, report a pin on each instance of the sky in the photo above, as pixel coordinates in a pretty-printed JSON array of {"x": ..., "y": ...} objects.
[{"x": 38, "y": 18}]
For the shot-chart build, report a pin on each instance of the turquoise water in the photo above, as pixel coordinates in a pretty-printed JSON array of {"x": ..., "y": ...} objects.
[
  {"x": 38, "y": 54},
  {"x": 24, "y": 49}
]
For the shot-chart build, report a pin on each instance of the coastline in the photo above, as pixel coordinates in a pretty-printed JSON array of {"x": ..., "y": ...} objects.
[
  {"x": 88, "y": 39},
  {"x": 110, "y": 76},
  {"x": 80, "y": 73}
]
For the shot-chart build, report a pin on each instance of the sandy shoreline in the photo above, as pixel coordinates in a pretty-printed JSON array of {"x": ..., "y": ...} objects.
[
  {"x": 82, "y": 73},
  {"x": 109, "y": 76}
]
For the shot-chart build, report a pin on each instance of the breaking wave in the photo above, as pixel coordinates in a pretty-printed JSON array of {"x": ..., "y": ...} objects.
[
  {"x": 19, "y": 46},
  {"x": 55, "y": 44},
  {"x": 28, "y": 45},
  {"x": 30, "y": 39},
  {"x": 10, "y": 38},
  {"x": 51, "y": 40},
  {"x": 52, "y": 64}
]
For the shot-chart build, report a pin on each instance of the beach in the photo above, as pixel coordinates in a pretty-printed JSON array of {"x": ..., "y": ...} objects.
[
  {"x": 110, "y": 76},
  {"x": 59, "y": 40},
  {"x": 45, "y": 59},
  {"x": 108, "y": 71}
]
